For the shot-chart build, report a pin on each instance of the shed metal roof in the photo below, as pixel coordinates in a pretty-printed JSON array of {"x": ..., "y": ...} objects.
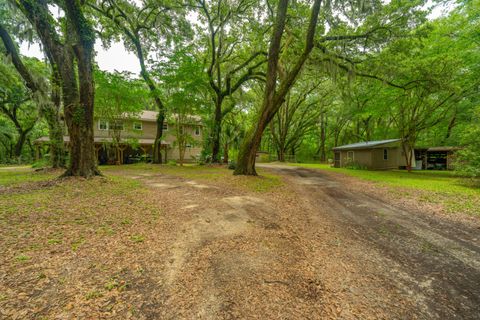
[{"x": 366, "y": 144}]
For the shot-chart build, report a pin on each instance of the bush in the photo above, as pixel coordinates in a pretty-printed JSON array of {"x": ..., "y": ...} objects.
[
  {"x": 232, "y": 165},
  {"x": 41, "y": 163},
  {"x": 172, "y": 163},
  {"x": 355, "y": 166},
  {"x": 468, "y": 162}
]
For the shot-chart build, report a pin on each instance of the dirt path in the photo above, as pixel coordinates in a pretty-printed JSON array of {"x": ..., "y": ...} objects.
[
  {"x": 437, "y": 262},
  {"x": 311, "y": 251}
]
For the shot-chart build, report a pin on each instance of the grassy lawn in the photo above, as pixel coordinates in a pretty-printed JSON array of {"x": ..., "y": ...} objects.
[
  {"x": 13, "y": 175},
  {"x": 441, "y": 187}
]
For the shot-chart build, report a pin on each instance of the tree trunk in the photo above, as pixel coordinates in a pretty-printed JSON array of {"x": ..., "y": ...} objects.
[
  {"x": 79, "y": 102},
  {"x": 281, "y": 154},
  {"x": 217, "y": 128},
  {"x": 248, "y": 153},
  {"x": 71, "y": 59},
  {"x": 157, "y": 147},
  {"x": 55, "y": 128},
  {"x": 225, "y": 153},
  {"x": 22, "y": 137},
  {"x": 55, "y": 133},
  {"x": 323, "y": 154}
]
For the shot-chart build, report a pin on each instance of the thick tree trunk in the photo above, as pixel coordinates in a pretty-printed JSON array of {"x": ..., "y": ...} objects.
[
  {"x": 79, "y": 102},
  {"x": 55, "y": 127},
  {"x": 216, "y": 131},
  {"x": 323, "y": 153},
  {"x": 248, "y": 150},
  {"x": 71, "y": 58},
  {"x": 22, "y": 137}
]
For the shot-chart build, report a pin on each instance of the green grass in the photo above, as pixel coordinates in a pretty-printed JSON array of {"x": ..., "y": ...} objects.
[
  {"x": 10, "y": 176},
  {"x": 431, "y": 186}
]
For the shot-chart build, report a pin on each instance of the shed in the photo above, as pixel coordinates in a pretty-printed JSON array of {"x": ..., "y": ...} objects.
[
  {"x": 374, "y": 155},
  {"x": 436, "y": 158}
]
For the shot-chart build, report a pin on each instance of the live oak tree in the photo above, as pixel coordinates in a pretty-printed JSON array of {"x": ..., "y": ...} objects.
[
  {"x": 274, "y": 92},
  {"x": 297, "y": 116},
  {"x": 68, "y": 45},
  {"x": 234, "y": 53},
  {"x": 146, "y": 29},
  {"x": 17, "y": 107},
  {"x": 45, "y": 95},
  {"x": 349, "y": 31}
]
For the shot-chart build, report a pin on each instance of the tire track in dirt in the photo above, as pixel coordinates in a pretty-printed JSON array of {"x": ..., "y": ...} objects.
[{"x": 437, "y": 263}]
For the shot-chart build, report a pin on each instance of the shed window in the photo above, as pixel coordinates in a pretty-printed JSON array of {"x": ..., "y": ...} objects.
[
  {"x": 385, "y": 154},
  {"x": 165, "y": 126},
  {"x": 137, "y": 126},
  {"x": 350, "y": 155},
  {"x": 197, "y": 130},
  {"x": 102, "y": 125}
]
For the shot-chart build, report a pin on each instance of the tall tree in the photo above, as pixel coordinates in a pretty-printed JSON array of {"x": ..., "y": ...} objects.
[
  {"x": 48, "y": 102},
  {"x": 297, "y": 116},
  {"x": 144, "y": 27},
  {"x": 16, "y": 105},
  {"x": 232, "y": 55},
  {"x": 274, "y": 92},
  {"x": 69, "y": 49}
]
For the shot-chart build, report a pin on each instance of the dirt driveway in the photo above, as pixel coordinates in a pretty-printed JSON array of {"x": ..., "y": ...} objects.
[
  {"x": 151, "y": 242},
  {"x": 436, "y": 262}
]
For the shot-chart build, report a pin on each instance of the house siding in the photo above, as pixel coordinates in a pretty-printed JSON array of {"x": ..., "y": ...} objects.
[
  {"x": 149, "y": 131},
  {"x": 372, "y": 158}
]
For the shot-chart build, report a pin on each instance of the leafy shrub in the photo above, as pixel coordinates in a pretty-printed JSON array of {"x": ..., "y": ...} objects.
[
  {"x": 355, "y": 166},
  {"x": 172, "y": 163},
  {"x": 232, "y": 165},
  {"x": 41, "y": 163},
  {"x": 467, "y": 160}
]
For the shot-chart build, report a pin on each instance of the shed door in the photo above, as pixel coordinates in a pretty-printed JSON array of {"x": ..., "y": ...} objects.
[{"x": 337, "y": 160}]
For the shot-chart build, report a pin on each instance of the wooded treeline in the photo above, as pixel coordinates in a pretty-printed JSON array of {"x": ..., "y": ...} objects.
[{"x": 291, "y": 78}]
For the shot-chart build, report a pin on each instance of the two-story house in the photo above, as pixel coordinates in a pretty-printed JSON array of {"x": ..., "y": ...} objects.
[{"x": 130, "y": 139}]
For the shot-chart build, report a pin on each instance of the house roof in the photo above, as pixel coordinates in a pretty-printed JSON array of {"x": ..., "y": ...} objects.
[
  {"x": 366, "y": 144},
  {"x": 103, "y": 140}
]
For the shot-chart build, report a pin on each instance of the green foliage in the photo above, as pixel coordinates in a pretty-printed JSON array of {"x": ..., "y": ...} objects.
[
  {"x": 468, "y": 159},
  {"x": 172, "y": 163},
  {"x": 232, "y": 165}
]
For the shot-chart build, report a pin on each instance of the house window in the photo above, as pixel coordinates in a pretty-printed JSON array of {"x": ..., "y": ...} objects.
[
  {"x": 102, "y": 125},
  {"x": 385, "y": 154},
  {"x": 165, "y": 126},
  {"x": 137, "y": 126},
  {"x": 197, "y": 130},
  {"x": 350, "y": 156},
  {"x": 116, "y": 126}
]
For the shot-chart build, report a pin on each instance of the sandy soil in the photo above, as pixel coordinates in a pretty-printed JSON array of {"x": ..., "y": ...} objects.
[{"x": 310, "y": 249}]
